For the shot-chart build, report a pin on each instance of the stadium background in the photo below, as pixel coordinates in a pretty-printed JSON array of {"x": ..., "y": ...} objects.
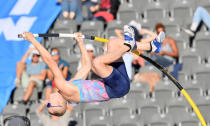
[{"x": 165, "y": 106}]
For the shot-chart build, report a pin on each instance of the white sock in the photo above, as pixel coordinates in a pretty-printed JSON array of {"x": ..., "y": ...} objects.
[{"x": 194, "y": 26}]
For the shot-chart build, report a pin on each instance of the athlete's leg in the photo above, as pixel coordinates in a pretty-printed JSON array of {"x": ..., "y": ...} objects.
[
  {"x": 115, "y": 50},
  {"x": 152, "y": 44}
]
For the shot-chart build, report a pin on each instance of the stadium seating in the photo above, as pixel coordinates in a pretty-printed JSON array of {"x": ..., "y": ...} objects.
[
  {"x": 129, "y": 121},
  {"x": 11, "y": 109},
  {"x": 183, "y": 78},
  {"x": 147, "y": 111},
  {"x": 204, "y": 3},
  {"x": 19, "y": 94},
  {"x": 162, "y": 96},
  {"x": 203, "y": 79},
  {"x": 32, "y": 112},
  {"x": 62, "y": 43},
  {"x": 167, "y": 85},
  {"x": 94, "y": 28},
  {"x": 181, "y": 9},
  {"x": 190, "y": 123},
  {"x": 178, "y": 112},
  {"x": 139, "y": 5},
  {"x": 127, "y": 13},
  {"x": 194, "y": 92},
  {"x": 202, "y": 44},
  {"x": 205, "y": 109},
  {"x": 94, "y": 111},
  {"x": 193, "y": 61},
  {"x": 155, "y": 11},
  {"x": 111, "y": 26},
  {"x": 172, "y": 26},
  {"x": 103, "y": 121},
  {"x": 159, "y": 124},
  {"x": 65, "y": 26},
  {"x": 166, "y": 106},
  {"x": 121, "y": 108}
]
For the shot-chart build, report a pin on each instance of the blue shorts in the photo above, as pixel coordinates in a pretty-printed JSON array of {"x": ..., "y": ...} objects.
[
  {"x": 117, "y": 84},
  {"x": 91, "y": 90}
]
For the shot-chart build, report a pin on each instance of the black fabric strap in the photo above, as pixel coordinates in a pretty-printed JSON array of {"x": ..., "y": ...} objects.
[
  {"x": 48, "y": 35},
  {"x": 128, "y": 46}
]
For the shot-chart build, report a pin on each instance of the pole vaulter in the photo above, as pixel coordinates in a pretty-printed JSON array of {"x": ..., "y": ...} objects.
[{"x": 161, "y": 68}]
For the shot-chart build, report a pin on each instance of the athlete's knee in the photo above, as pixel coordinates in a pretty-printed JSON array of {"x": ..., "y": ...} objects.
[{"x": 97, "y": 62}]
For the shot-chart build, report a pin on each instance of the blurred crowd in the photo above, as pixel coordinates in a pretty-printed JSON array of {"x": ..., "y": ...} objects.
[
  {"x": 82, "y": 10},
  {"x": 34, "y": 74}
]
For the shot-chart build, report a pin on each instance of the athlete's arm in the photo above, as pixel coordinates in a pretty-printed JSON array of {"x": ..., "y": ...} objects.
[
  {"x": 60, "y": 82},
  {"x": 83, "y": 72}
]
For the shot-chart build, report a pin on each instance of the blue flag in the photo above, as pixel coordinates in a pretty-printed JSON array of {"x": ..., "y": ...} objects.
[{"x": 17, "y": 16}]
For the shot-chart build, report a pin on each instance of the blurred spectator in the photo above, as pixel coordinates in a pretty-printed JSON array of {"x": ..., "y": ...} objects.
[
  {"x": 51, "y": 120},
  {"x": 91, "y": 53},
  {"x": 72, "y": 9},
  {"x": 168, "y": 51},
  {"x": 105, "y": 10},
  {"x": 167, "y": 56},
  {"x": 139, "y": 32},
  {"x": 92, "y": 6},
  {"x": 201, "y": 14},
  {"x": 64, "y": 67},
  {"x": 30, "y": 75},
  {"x": 151, "y": 78}
]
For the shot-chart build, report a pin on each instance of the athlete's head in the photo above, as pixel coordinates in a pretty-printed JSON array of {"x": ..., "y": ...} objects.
[
  {"x": 57, "y": 104},
  {"x": 159, "y": 27},
  {"x": 55, "y": 54}
]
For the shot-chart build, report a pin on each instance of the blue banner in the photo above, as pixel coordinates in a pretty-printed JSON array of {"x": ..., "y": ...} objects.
[{"x": 17, "y": 16}]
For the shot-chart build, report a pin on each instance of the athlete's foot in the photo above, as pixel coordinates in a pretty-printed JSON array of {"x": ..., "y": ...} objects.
[
  {"x": 129, "y": 37},
  {"x": 157, "y": 42},
  {"x": 189, "y": 32}
]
